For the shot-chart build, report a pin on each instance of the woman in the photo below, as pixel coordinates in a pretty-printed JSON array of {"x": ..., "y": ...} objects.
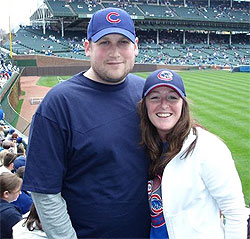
[
  {"x": 193, "y": 176},
  {"x": 29, "y": 227},
  {"x": 10, "y": 187}
]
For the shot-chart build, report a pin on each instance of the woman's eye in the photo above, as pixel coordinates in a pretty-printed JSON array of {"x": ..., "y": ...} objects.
[
  {"x": 154, "y": 97},
  {"x": 173, "y": 97}
]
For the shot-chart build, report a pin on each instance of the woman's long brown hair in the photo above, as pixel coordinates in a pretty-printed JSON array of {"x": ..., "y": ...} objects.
[
  {"x": 33, "y": 222},
  {"x": 175, "y": 138}
]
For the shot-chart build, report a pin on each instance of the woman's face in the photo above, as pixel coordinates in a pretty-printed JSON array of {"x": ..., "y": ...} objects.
[{"x": 164, "y": 108}]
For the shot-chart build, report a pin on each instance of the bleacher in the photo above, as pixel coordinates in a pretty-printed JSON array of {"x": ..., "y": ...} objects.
[
  {"x": 214, "y": 14},
  {"x": 239, "y": 16},
  {"x": 188, "y": 13},
  {"x": 38, "y": 43},
  {"x": 149, "y": 51},
  {"x": 31, "y": 40},
  {"x": 82, "y": 8},
  {"x": 130, "y": 8},
  {"x": 154, "y": 10},
  {"x": 58, "y": 8},
  {"x": 17, "y": 48}
]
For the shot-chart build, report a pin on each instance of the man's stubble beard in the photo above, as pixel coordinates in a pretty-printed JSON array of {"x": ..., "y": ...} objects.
[{"x": 105, "y": 76}]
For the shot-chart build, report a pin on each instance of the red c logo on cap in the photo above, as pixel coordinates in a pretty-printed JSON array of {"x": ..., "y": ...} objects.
[
  {"x": 165, "y": 75},
  {"x": 109, "y": 17}
]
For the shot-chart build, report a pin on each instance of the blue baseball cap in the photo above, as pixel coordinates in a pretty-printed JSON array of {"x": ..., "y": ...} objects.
[
  {"x": 19, "y": 162},
  {"x": 164, "y": 77},
  {"x": 108, "y": 21},
  {"x": 19, "y": 140}
]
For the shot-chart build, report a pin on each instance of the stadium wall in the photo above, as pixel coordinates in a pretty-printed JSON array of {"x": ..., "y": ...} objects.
[
  {"x": 34, "y": 65},
  {"x": 9, "y": 97},
  {"x": 38, "y": 65}
]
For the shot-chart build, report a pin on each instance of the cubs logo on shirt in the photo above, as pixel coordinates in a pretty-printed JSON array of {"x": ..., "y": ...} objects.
[
  {"x": 156, "y": 203},
  {"x": 165, "y": 75},
  {"x": 113, "y": 17},
  {"x": 149, "y": 189}
]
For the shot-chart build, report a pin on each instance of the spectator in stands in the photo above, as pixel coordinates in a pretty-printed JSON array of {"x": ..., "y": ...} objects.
[
  {"x": 2, "y": 135},
  {"x": 14, "y": 137},
  {"x": 8, "y": 163},
  {"x": 193, "y": 175},
  {"x": 10, "y": 141},
  {"x": 20, "y": 172},
  {"x": 2, "y": 115},
  {"x": 19, "y": 162},
  {"x": 20, "y": 148},
  {"x": 6, "y": 144},
  {"x": 9, "y": 135},
  {"x": 10, "y": 186},
  {"x": 2, "y": 155},
  {"x": 24, "y": 201},
  {"x": 92, "y": 176},
  {"x": 29, "y": 227}
]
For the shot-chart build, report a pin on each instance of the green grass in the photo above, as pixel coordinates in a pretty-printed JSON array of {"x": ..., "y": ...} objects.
[
  {"x": 222, "y": 104},
  {"x": 18, "y": 110},
  {"x": 19, "y": 106},
  {"x": 50, "y": 81},
  {"x": 220, "y": 100}
]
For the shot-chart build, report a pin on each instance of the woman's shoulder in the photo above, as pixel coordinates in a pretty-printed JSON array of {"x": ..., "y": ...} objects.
[
  {"x": 212, "y": 147},
  {"x": 206, "y": 136}
]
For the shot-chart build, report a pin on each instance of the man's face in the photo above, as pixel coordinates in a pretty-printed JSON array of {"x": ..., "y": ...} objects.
[{"x": 112, "y": 58}]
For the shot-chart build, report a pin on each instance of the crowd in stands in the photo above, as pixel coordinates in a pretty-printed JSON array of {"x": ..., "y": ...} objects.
[
  {"x": 6, "y": 70},
  {"x": 196, "y": 51},
  {"x": 223, "y": 55},
  {"x": 31, "y": 40},
  {"x": 170, "y": 49},
  {"x": 16, "y": 205}
]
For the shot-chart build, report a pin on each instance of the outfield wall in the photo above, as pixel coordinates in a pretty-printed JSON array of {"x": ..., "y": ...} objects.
[
  {"x": 9, "y": 97},
  {"x": 38, "y": 65}
]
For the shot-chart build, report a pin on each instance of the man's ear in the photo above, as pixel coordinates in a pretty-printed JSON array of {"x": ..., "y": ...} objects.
[
  {"x": 87, "y": 47},
  {"x": 136, "y": 46}
]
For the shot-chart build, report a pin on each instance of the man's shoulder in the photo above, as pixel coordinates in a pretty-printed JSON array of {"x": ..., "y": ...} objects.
[
  {"x": 132, "y": 76},
  {"x": 136, "y": 80}
]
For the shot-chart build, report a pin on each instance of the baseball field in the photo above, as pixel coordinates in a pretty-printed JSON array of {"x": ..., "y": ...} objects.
[{"x": 220, "y": 100}]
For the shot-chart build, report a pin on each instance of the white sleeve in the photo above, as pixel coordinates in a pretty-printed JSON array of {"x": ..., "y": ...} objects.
[
  {"x": 222, "y": 180},
  {"x": 52, "y": 211}
]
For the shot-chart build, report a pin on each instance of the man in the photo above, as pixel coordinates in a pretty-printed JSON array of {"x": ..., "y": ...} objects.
[{"x": 85, "y": 168}]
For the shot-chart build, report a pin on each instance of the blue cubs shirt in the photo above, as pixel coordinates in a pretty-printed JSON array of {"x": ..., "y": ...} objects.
[{"x": 158, "y": 224}]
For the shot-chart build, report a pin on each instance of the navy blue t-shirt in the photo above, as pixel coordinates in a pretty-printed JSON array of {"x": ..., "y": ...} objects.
[{"x": 84, "y": 142}]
